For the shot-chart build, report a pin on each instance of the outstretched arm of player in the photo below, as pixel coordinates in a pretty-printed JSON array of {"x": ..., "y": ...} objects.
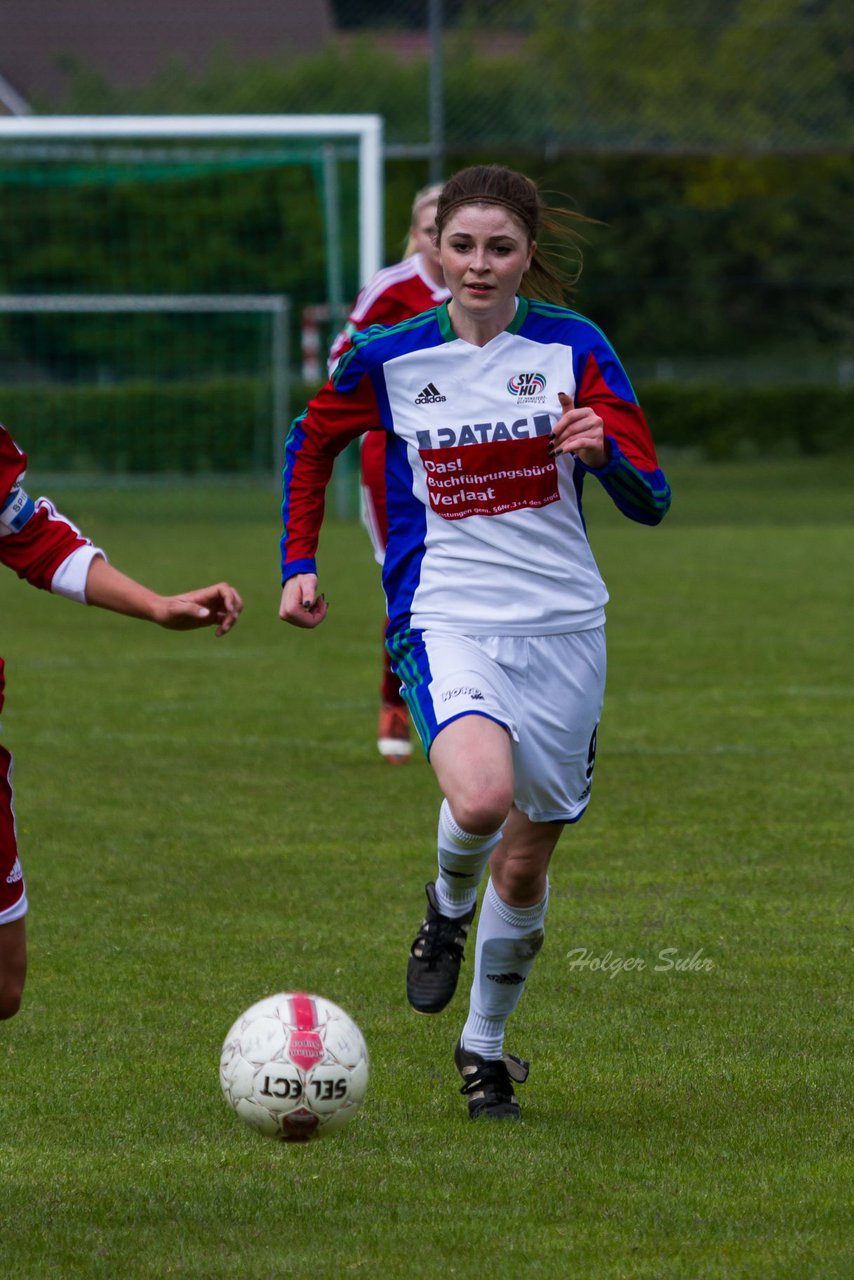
[
  {"x": 328, "y": 424},
  {"x": 218, "y": 605},
  {"x": 301, "y": 606}
]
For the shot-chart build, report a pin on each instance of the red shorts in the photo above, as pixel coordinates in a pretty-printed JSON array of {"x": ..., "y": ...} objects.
[{"x": 13, "y": 893}]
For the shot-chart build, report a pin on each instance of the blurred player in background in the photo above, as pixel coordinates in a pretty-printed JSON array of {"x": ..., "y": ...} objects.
[
  {"x": 496, "y": 407},
  {"x": 395, "y": 293},
  {"x": 46, "y": 549}
]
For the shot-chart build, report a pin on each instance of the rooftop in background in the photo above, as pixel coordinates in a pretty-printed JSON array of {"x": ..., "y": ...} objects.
[
  {"x": 703, "y": 78},
  {"x": 127, "y": 42}
]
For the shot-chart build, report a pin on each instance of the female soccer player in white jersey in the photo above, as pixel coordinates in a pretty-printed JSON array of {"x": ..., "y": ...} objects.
[
  {"x": 495, "y": 602},
  {"x": 395, "y": 293},
  {"x": 46, "y": 549}
]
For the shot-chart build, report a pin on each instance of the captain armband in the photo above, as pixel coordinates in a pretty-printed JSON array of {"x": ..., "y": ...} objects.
[{"x": 15, "y": 512}]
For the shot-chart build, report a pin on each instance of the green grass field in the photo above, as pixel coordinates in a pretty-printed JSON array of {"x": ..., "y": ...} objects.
[{"x": 204, "y": 822}]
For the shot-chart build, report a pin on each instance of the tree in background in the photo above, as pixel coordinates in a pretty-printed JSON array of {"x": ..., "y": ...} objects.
[{"x": 712, "y": 137}]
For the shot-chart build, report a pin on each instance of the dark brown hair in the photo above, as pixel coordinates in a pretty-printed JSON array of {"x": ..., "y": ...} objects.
[{"x": 553, "y": 271}]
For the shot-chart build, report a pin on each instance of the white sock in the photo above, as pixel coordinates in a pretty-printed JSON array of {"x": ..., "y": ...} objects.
[
  {"x": 508, "y": 942},
  {"x": 462, "y": 862}
]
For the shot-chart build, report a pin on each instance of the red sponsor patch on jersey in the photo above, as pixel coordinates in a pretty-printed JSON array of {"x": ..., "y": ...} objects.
[{"x": 489, "y": 479}]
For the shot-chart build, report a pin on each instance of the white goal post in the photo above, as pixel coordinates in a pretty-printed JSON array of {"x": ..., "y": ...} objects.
[
  {"x": 275, "y": 306},
  {"x": 55, "y": 164},
  {"x": 365, "y": 130}
]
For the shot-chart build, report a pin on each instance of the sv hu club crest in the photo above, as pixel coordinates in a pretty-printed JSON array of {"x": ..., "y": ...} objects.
[{"x": 527, "y": 384}]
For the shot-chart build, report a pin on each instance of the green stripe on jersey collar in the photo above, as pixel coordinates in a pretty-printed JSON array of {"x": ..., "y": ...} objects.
[{"x": 447, "y": 332}]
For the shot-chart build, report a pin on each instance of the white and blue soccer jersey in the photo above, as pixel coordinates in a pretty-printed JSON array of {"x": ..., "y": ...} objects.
[{"x": 485, "y": 529}]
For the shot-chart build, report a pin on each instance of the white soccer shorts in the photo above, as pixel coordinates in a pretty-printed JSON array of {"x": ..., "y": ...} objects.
[{"x": 547, "y": 691}]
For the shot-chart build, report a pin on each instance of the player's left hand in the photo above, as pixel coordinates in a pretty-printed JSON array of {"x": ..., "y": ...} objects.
[
  {"x": 215, "y": 606},
  {"x": 579, "y": 431},
  {"x": 301, "y": 604}
]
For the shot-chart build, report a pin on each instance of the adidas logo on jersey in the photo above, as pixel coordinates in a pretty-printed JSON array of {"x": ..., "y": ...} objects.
[
  {"x": 430, "y": 395},
  {"x": 15, "y": 874}
]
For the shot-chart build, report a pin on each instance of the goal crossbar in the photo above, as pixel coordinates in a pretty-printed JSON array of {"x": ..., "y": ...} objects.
[
  {"x": 277, "y": 306},
  {"x": 213, "y": 302},
  {"x": 366, "y": 130}
]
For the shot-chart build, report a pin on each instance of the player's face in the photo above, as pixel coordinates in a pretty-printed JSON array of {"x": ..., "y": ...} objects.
[
  {"x": 423, "y": 232},
  {"x": 484, "y": 251}
]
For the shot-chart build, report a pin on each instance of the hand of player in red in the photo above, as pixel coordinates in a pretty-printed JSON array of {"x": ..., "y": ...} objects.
[
  {"x": 218, "y": 605},
  {"x": 301, "y": 606},
  {"x": 579, "y": 431}
]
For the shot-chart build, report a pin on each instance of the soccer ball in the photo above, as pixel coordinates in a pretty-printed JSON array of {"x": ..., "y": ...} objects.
[{"x": 294, "y": 1067}]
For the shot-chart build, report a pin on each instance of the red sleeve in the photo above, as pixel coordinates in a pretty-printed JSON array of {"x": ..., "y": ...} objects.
[
  {"x": 623, "y": 418},
  {"x": 330, "y": 421},
  {"x": 34, "y": 538},
  {"x": 13, "y": 464},
  {"x": 631, "y": 476},
  {"x": 388, "y": 309},
  {"x": 400, "y": 301}
]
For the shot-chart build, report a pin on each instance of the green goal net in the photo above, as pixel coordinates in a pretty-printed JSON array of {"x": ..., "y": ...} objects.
[{"x": 153, "y": 272}]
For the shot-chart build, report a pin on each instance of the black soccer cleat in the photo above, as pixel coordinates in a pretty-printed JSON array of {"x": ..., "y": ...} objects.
[
  {"x": 435, "y": 957},
  {"x": 487, "y": 1083}
]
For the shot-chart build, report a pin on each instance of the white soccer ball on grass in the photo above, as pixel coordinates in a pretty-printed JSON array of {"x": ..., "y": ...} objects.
[{"x": 294, "y": 1067}]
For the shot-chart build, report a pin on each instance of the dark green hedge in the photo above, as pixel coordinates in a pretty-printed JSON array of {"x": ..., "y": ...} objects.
[
  {"x": 210, "y": 427},
  {"x": 225, "y": 426},
  {"x": 721, "y": 422}
]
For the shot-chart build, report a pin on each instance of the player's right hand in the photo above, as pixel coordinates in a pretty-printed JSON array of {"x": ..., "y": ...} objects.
[
  {"x": 301, "y": 606},
  {"x": 217, "y": 606}
]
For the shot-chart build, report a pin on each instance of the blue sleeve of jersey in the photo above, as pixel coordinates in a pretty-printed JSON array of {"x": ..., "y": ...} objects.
[{"x": 643, "y": 496}]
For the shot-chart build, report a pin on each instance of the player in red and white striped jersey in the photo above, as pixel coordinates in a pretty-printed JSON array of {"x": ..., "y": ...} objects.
[
  {"x": 395, "y": 293},
  {"x": 48, "y": 551}
]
